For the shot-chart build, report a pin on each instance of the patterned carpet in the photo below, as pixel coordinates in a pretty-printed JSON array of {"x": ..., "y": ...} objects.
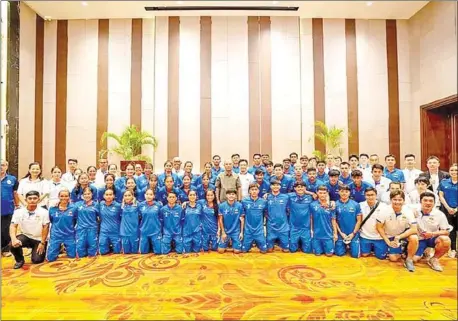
[{"x": 211, "y": 287}]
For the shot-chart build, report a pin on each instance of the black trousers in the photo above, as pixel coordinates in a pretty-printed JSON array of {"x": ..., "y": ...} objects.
[
  {"x": 30, "y": 243},
  {"x": 6, "y": 221},
  {"x": 453, "y": 221}
]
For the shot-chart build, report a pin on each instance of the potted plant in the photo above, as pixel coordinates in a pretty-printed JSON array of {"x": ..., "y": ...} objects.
[
  {"x": 331, "y": 137},
  {"x": 129, "y": 145}
]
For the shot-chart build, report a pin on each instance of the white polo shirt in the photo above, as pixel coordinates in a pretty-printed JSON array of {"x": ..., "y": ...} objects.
[
  {"x": 435, "y": 221},
  {"x": 381, "y": 187},
  {"x": 54, "y": 189},
  {"x": 368, "y": 230},
  {"x": 410, "y": 177},
  {"x": 245, "y": 181},
  {"x": 396, "y": 224},
  {"x": 26, "y": 185},
  {"x": 31, "y": 223}
]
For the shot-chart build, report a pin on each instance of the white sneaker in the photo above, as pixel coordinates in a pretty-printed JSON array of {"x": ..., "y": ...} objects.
[
  {"x": 434, "y": 264},
  {"x": 452, "y": 254}
]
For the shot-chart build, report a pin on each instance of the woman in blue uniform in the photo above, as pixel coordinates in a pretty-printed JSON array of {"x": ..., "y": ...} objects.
[
  {"x": 87, "y": 215},
  {"x": 210, "y": 230},
  {"x": 63, "y": 222},
  {"x": 185, "y": 189},
  {"x": 164, "y": 191},
  {"x": 81, "y": 184},
  {"x": 204, "y": 187},
  {"x": 192, "y": 225},
  {"x": 150, "y": 224},
  {"x": 109, "y": 184},
  {"x": 172, "y": 215},
  {"x": 110, "y": 217},
  {"x": 130, "y": 218}
]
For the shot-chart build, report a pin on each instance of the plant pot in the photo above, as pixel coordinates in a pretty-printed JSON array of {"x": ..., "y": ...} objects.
[{"x": 124, "y": 164}]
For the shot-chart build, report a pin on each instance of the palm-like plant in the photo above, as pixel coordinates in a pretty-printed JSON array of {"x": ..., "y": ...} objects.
[
  {"x": 130, "y": 143},
  {"x": 331, "y": 137}
]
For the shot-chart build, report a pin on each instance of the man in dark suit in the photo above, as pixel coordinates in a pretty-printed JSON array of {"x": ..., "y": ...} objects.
[{"x": 434, "y": 174}]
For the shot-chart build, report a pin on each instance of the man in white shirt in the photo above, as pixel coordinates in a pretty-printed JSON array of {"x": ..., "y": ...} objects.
[
  {"x": 34, "y": 223},
  {"x": 378, "y": 181},
  {"x": 370, "y": 239},
  {"x": 101, "y": 172},
  {"x": 329, "y": 163},
  {"x": 177, "y": 166},
  {"x": 396, "y": 223},
  {"x": 410, "y": 173},
  {"x": 245, "y": 178},
  {"x": 69, "y": 176},
  {"x": 433, "y": 231},
  {"x": 394, "y": 186},
  {"x": 434, "y": 174}
]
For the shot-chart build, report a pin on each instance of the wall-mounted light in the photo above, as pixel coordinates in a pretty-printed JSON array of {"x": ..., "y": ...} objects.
[{"x": 369, "y": 4}]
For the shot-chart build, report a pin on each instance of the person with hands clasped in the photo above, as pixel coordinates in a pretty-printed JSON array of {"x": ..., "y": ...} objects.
[
  {"x": 324, "y": 226},
  {"x": 231, "y": 222}
]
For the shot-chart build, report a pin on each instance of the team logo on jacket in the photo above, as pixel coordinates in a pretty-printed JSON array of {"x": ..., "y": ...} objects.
[{"x": 8, "y": 182}]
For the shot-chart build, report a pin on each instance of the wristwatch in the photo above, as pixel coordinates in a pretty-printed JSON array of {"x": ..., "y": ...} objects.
[{"x": 42, "y": 243}]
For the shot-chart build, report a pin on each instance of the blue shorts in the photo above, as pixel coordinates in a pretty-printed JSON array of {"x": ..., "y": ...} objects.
[
  {"x": 394, "y": 250},
  {"x": 341, "y": 247},
  {"x": 321, "y": 246},
  {"x": 282, "y": 237},
  {"x": 423, "y": 244},
  {"x": 234, "y": 237},
  {"x": 302, "y": 236},
  {"x": 379, "y": 247},
  {"x": 259, "y": 238}
]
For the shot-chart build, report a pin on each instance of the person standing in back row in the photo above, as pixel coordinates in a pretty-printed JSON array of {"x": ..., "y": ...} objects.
[
  {"x": 10, "y": 201},
  {"x": 227, "y": 181}
]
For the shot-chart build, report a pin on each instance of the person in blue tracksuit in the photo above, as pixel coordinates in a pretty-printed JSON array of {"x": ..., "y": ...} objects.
[
  {"x": 204, "y": 187},
  {"x": 393, "y": 173},
  {"x": 312, "y": 183},
  {"x": 172, "y": 215},
  {"x": 286, "y": 182},
  {"x": 345, "y": 173},
  {"x": 87, "y": 216},
  {"x": 210, "y": 229},
  {"x": 324, "y": 226},
  {"x": 207, "y": 170},
  {"x": 231, "y": 221},
  {"x": 348, "y": 218},
  {"x": 109, "y": 184},
  {"x": 333, "y": 185},
  {"x": 131, "y": 185},
  {"x": 110, "y": 221},
  {"x": 187, "y": 168},
  {"x": 255, "y": 209},
  {"x": 144, "y": 179},
  {"x": 277, "y": 218},
  {"x": 152, "y": 185},
  {"x": 63, "y": 223},
  {"x": 320, "y": 172},
  {"x": 185, "y": 189},
  {"x": 130, "y": 223},
  {"x": 192, "y": 224},
  {"x": 81, "y": 184},
  {"x": 358, "y": 186},
  {"x": 263, "y": 185},
  {"x": 168, "y": 166},
  {"x": 151, "y": 224},
  {"x": 163, "y": 192},
  {"x": 300, "y": 220},
  {"x": 299, "y": 175},
  {"x": 257, "y": 164},
  {"x": 268, "y": 171},
  {"x": 130, "y": 173},
  {"x": 216, "y": 168}
]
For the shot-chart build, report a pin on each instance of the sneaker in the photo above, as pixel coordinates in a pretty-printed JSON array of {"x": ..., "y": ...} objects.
[
  {"x": 18, "y": 265},
  {"x": 6, "y": 254},
  {"x": 434, "y": 264},
  {"x": 452, "y": 254},
  {"x": 408, "y": 263}
]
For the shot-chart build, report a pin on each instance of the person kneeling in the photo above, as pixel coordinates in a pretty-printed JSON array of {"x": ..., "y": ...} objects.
[
  {"x": 231, "y": 220},
  {"x": 433, "y": 231},
  {"x": 34, "y": 223},
  {"x": 396, "y": 223}
]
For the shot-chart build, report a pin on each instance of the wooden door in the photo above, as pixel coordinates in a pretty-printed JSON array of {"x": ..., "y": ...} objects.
[
  {"x": 436, "y": 136},
  {"x": 454, "y": 132}
]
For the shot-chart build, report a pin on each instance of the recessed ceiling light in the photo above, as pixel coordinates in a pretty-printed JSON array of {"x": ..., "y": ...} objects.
[
  {"x": 84, "y": 3},
  {"x": 48, "y": 18},
  {"x": 369, "y": 4},
  {"x": 179, "y": 2},
  {"x": 274, "y": 2}
]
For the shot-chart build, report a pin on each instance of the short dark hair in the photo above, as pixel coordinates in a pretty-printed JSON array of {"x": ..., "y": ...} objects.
[
  {"x": 32, "y": 193},
  {"x": 393, "y": 194},
  {"x": 409, "y": 155},
  {"x": 377, "y": 166},
  {"x": 321, "y": 162},
  {"x": 72, "y": 160},
  {"x": 363, "y": 154},
  {"x": 390, "y": 155},
  {"x": 231, "y": 191},
  {"x": 233, "y": 155},
  {"x": 299, "y": 183},
  {"x": 374, "y": 155},
  {"x": 256, "y": 154},
  {"x": 422, "y": 179},
  {"x": 427, "y": 194},
  {"x": 293, "y": 154},
  {"x": 333, "y": 172},
  {"x": 353, "y": 156},
  {"x": 432, "y": 157},
  {"x": 395, "y": 183},
  {"x": 243, "y": 160},
  {"x": 344, "y": 187},
  {"x": 253, "y": 185},
  {"x": 322, "y": 188},
  {"x": 345, "y": 163},
  {"x": 258, "y": 172},
  {"x": 356, "y": 173},
  {"x": 269, "y": 162},
  {"x": 304, "y": 157},
  {"x": 216, "y": 156},
  {"x": 286, "y": 160},
  {"x": 265, "y": 155},
  {"x": 370, "y": 189},
  {"x": 275, "y": 182},
  {"x": 278, "y": 165},
  {"x": 338, "y": 157},
  {"x": 311, "y": 169}
]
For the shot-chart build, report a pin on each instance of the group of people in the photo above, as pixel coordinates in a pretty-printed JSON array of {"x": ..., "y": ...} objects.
[{"x": 316, "y": 206}]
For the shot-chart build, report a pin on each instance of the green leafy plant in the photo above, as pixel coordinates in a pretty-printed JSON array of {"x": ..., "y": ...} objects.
[
  {"x": 330, "y": 137},
  {"x": 130, "y": 143}
]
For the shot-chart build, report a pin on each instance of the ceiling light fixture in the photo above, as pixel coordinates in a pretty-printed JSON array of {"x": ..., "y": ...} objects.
[
  {"x": 84, "y": 3},
  {"x": 274, "y": 2},
  {"x": 179, "y": 2},
  {"x": 369, "y": 4},
  {"x": 48, "y": 18}
]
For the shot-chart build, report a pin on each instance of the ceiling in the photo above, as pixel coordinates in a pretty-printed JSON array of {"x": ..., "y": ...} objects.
[{"x": 307, "y": 9}]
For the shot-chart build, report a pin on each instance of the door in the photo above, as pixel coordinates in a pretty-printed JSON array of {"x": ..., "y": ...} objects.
[{"x": 454, "y": 129}]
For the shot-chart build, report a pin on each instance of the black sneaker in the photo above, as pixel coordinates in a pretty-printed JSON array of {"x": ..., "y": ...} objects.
[{"x": 18, "y": 265}]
